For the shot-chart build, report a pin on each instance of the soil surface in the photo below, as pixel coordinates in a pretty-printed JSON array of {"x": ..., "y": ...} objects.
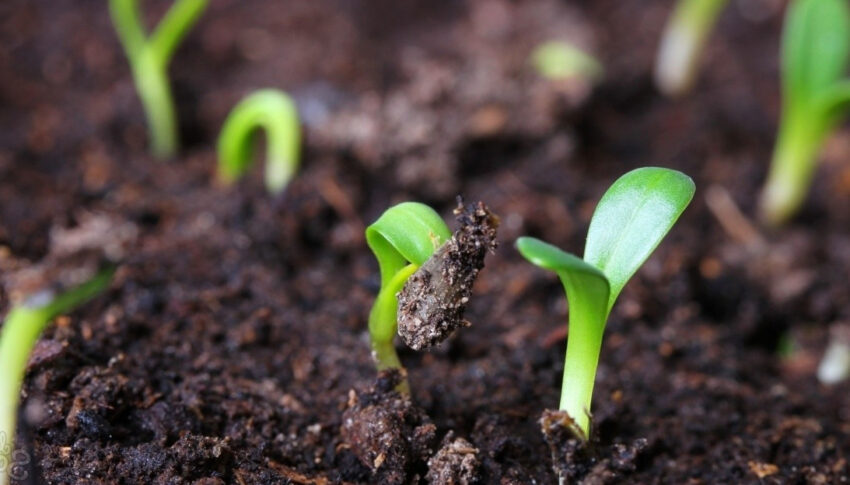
[{"x": 232, "y": 344}]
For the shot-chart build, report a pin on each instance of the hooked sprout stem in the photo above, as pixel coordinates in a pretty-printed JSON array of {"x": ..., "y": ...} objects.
[{"x": 274, "y": 112}]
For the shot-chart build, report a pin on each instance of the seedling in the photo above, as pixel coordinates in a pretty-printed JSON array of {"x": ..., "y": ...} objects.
[
  {"x": 274, "y": 112},
  {"x": 402, "y": 239},
  {"x": 633, "y": 216},
  {"x": 21, "y": 330},
  {"x": 682, "y": 43},
  {"x": 815, "y": 97},
  {"x": 149, "y": 58},
  {"x": 559, "y": 60}
]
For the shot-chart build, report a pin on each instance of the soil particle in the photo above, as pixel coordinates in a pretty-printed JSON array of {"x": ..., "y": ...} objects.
[
  {"x": 456, "y": 463},
  {"x": 580, "y": 461},
  {"x": 432, "y": 302},
  {"x": 386, "y": 431}
]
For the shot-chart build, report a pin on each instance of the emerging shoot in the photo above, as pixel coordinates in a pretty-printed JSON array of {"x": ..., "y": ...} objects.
[
  {"x": 558, "y": 60},
  {"x": 21, "y": 330},
  {"x": 630, "y": 221},
  {"x": 682, "y": 43},
  {"x": 815, "y": 97},
  {"x": 402, "y": 239},
  {"x": 275, "y": 113},
  {"x": 149, "y": 58}
]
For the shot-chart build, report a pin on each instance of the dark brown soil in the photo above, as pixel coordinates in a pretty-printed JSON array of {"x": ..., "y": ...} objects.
[{"x": 234, "y": 334}]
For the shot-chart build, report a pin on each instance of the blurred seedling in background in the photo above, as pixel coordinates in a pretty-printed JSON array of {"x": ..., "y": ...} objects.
[
  {"x": 630, "y": 221},
  {"x": 682, "y": 43},
  {"x": 149, "y": 57},
  {"x": 815, "y": 98},
  {"x": 559, "y": 60},
  {"x": 276, "y": 114},
  {"x": 426, "y": 275},
  {"x": 21, "y": 329}
]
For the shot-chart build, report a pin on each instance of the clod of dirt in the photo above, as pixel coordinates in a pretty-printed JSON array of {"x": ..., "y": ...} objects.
[
  {"x": 456, "y": 463},
  {"x": 576, "y": 460},
  {"x": 432, "y": 302},
  {"x": 386, "y": 431}
]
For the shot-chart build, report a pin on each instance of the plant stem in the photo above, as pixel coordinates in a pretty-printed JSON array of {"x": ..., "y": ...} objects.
[
  {"x": 151, "y": 78},
  {"x": 383, "y": 323},
  {"x": 584, "y": 344},
  {"x": 21, "y": 330},
  {"x": 276, "y": 113},
  {"x": 682, "y": 43},
  {"x": 791, "y": 171}
]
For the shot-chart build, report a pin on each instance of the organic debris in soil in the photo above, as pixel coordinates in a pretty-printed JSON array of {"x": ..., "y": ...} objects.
[
  {"x": 432, "y": 302},
  {"x": 75, "y": 256},
  {"x": 577, "y": 460},
  {"x": 386, "y": 431},
  {"x": 456, "y": 463}
]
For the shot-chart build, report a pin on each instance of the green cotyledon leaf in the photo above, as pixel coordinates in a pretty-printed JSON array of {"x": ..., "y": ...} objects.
[{"x": 631, "y": 219}]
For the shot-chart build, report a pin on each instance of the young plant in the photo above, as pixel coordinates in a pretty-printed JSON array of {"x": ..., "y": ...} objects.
[
  {"x": 274, "y": 112},
  {"x": 633, "y": 216},
  {"x": 558, "y": 60},
  {"x": 402, "y": 239},
  {"x": 149, "y": 58},
  {"x": 682, "y": 42},
  {"x": 815, "y": 97},
  {"x": 21, "y": 330}
]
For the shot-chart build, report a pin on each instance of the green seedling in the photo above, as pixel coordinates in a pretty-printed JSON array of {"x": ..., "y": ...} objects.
[
  {"x": 629, "y": 222},
  {"x": 815, "y": 97},
  {"x": 21, "y": 330},
  {"x": 682, "y": 43},
  {"x": 402, "y": 239},
  {"x": 557, "y": 60},
  {"x": 274, "y": 112},
  {"x": 149, "y": 58}
]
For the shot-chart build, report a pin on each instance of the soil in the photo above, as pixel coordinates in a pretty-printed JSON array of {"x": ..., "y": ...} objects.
[{"x": 232, "y": 344}]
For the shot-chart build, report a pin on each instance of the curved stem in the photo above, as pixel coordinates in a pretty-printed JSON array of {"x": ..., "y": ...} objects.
[
  {"x": 383, "y": 323},
  {"x": 21, "y": 330},
  {"x": 270, "y": 110}
]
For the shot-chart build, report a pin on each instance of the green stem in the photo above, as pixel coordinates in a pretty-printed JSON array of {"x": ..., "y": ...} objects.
[
  {"x": 791, "y": 171},
  {"x": 276, "y": 113},
  {"x": 149, "y": 58},
  {"x": 21, "y": 330},
  {"x": 151, "y": 78},
  {"x": 682, "y": 43},
  {"x": 584, "y": 343},
  {"x": 383, "y": 323}
]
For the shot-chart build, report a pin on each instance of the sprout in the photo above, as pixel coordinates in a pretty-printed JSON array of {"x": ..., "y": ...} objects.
[
  {"x": 815, "y": 97},
  {"x": 633, "y": 216},
  {"x": 21, "y": 329},
  {"x": 558, "y": 60},
  {"x": 403, "y": 238},
  {"x": 682, "y": 42},
  {"x": 275, "y": 112},
  {"x": 149, "y": 58}
]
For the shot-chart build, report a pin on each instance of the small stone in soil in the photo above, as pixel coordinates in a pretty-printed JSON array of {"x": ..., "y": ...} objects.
[
  {"x": 432, "y": 302},
  {"x": 386, "y": 431}
]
